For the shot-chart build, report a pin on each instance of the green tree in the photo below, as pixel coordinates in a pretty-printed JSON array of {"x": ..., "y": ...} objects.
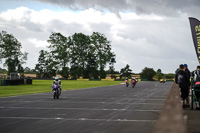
[
  {"x": 126, "y": 71},
  {"x": 169, "y": 76},
  {"x": 20, "y": 69},
  {"x": 159, "y": 75},
  {"x": 60, "y": 50},
  {"x": 3, "y": 70},
  {"x": 46, "y": 67},
  {"x": 27, "y": 70},
  {"x": 91, "y": 67},
  {"x": 87, "y": 56},
  {"x": 65, "y": 72},
  {"x": 80, "y": 47},
  {"x": 147, "y": 73},
  {"x": 74, "y": 71},
  {"x": 10, "y": 50},
  {"x": 111, "y": 67},
  {"x": 102, "y": 51}
]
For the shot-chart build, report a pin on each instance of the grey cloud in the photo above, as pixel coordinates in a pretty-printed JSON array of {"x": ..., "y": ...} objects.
[
  {"x": 160, "y": 44},
  {"x": 66, "y": 29},
  {"x": 104, "y": 28},
  {"x": 160, "y": 7},
  {"x": 31, "y": 26},
  {"x": 98, "y": 4},
  {"x": 26, "y": 23}
]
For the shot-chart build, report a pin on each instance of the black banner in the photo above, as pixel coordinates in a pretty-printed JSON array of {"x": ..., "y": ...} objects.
[{"x": 195, "y": 28}]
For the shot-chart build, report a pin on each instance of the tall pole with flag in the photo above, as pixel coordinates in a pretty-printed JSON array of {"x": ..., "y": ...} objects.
[{"x": 195, "y": 28}]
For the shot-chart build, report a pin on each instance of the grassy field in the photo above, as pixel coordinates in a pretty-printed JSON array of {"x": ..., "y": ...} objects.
[{"x": 40, "y": 86}]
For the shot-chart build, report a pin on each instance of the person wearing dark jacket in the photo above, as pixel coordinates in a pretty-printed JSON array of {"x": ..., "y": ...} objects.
[
  {"x": 188, "y": 74},
  {"x": 182, "y": 80},
  {"x": 196, "y": 82}
]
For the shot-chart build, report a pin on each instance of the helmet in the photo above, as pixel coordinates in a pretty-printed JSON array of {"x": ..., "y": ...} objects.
[
  {"x": 185, "y": 65},
  {"x": 56, "y": 77}
]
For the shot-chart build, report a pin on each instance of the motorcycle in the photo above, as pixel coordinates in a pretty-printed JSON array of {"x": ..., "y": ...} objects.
[
  {"x": 133, "y": 83},
  {"x": 56, "y": 91},
  {"x": 127, "y": 84}
]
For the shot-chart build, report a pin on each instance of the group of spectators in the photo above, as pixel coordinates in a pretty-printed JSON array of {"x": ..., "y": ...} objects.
[{"x": 186, "y": 81}]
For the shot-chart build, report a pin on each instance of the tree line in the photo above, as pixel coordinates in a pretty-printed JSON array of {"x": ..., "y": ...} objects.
[
  {"x": 10, "y": 51},
  {"x": 147, "y": 73},
  {"x": 78, "y": 55}
]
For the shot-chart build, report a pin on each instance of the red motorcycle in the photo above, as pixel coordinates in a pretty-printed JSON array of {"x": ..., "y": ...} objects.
[{"x": 133, "y": 83}]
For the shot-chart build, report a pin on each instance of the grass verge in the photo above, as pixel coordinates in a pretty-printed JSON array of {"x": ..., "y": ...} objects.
[{"x": 40, "y": 86}]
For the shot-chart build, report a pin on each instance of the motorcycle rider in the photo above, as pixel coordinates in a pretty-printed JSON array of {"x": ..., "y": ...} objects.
[
  {"x": 126, "y": 80},
  {"x": 57, "y": 82},
  {"x": 133, "y": 80},
  {"x": 136, "y": 79}
]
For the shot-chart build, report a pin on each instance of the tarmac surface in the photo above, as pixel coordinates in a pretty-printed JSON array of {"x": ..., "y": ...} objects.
[
  {"x": 112, "y": 109},
  {"x": 193, "y": 120}
]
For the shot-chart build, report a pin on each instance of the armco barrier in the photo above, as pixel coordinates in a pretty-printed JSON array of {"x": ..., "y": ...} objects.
[
  {"x": 119, "y": 79},
  {"x": 107, "y": 79},
  {"x": 169, "y": 80},
  {"x": 22, "y": 81},
  {"x": 144, "y": 80},
  {"x": 82, "y": 79},
  {"x": 94, "y": 79},
  {"x": 72, "y": 79},
  {"x": 171, "y": 118},
  {"x": 16, "y": 82},
  {"x": 29, "y": 81}
]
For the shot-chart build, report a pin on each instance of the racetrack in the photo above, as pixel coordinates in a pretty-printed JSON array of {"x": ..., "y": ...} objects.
[{"x": 113, "y": 109}]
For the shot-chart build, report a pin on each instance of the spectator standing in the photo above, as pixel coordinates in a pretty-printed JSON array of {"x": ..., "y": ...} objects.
[
  {"x": 188, "y": 74},
  {"x": 196, "y": 80},
  {"x": 182, "y": 80}
]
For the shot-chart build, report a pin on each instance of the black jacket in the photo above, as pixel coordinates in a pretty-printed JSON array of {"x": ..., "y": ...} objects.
[
  {"x": 182, "y": 79},
  {"x": 188, "y": 74}
]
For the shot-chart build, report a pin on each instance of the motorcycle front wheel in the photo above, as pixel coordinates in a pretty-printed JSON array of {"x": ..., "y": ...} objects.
[
  {"x": 57, "y": 94},
  {"x": 54, "y": 94}
]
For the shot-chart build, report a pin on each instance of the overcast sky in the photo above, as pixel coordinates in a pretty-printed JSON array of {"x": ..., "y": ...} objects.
[{"x": 143, "y": 33}]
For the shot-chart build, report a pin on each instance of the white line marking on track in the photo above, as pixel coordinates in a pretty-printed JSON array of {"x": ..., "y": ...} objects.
[
  {"x": 80, "y": 98},
  {"x": 93, "y": 109},
  {"x": 78, "y": 119},
  {"x": 118, "y": 103}
]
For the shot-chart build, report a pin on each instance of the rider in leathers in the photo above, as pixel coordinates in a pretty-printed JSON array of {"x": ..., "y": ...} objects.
[{"x": 57, "y": 82}]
